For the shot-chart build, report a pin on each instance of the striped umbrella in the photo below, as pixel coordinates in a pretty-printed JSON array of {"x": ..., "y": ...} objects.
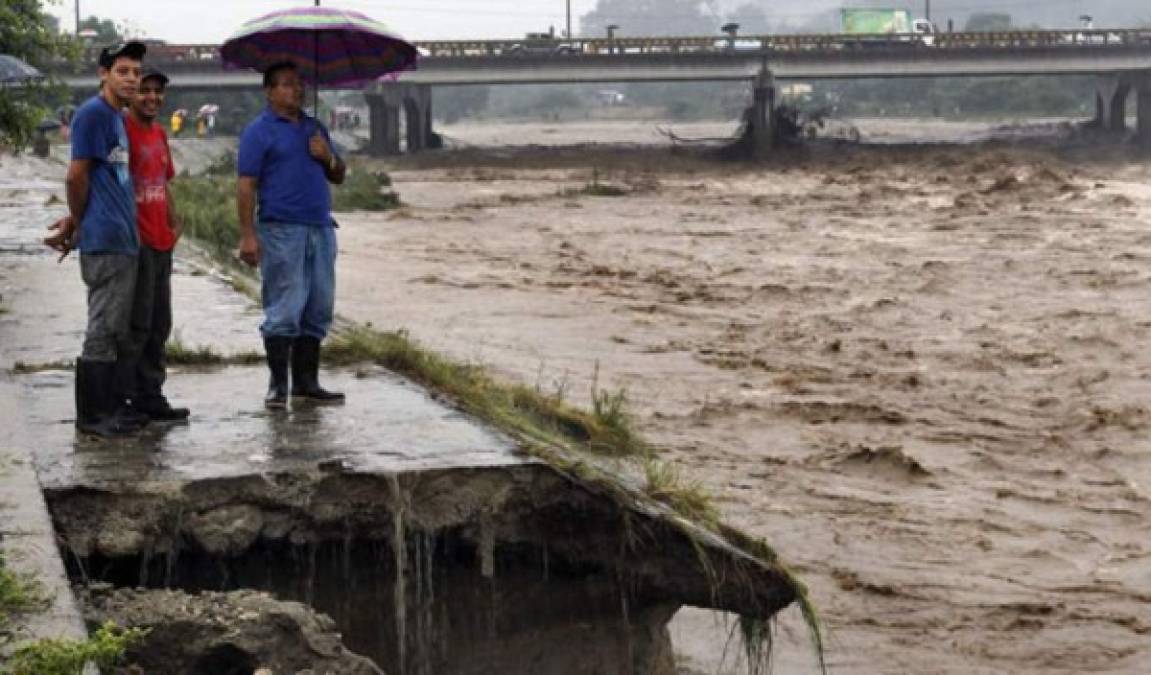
[
  {"x": 15, "y": 71},
  {"x": 334, "y": 47}
]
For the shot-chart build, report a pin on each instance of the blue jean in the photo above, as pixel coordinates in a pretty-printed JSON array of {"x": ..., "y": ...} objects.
[{"x": 298, "y": 279}]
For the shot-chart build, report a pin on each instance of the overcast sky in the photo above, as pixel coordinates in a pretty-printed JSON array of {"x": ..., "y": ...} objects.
[{"x": 211, "y": 21}]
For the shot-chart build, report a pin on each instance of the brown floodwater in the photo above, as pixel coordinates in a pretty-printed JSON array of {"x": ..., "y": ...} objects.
[{"x": 918, "y": 372}]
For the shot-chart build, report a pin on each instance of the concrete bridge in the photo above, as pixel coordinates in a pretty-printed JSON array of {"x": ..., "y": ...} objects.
[{"x": 1121, "y": 59}]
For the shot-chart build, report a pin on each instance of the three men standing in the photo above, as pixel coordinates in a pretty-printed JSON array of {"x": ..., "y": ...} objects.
[
  {"x": 121, "y": 218},
  {"x": 285, "y": 163}
]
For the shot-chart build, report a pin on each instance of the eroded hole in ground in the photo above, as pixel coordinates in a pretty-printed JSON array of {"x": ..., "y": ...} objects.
[{"x": 509, "y": 570}]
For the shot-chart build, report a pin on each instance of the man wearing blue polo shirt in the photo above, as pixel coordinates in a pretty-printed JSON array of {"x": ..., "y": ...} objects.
[
  {"x": 285, "y": 163},
  {"x": 102, "y": 225}
]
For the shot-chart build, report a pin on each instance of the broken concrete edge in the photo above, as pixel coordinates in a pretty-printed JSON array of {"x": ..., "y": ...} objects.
[
  {"x": 581, "y": 515},
  {"x": 591, "y": 473},
  {"x": 29, "y": 550}
]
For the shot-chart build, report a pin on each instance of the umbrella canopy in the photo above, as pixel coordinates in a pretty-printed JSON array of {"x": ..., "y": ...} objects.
[
  {"x": 329, "y": 46},
  {"x": 15, "y": 71}
]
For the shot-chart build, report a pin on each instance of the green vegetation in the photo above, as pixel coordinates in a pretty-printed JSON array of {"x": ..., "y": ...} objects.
[
  {"x": 105, "y": 648},
  {"x": 180, "y": 354},
  {"x": 690, "y": 499},
  {"x": 757, "y": 639},
  {"x": 207, "y": 207},
  {"x": 23, "y": 368},
  {"x": 28, "y": 33},
  {"x": 518, "y": 409},
  {"x": 18, "y": 594},
  {"x": 207, "y": 204},
  {"x": 364, "y": 191}
]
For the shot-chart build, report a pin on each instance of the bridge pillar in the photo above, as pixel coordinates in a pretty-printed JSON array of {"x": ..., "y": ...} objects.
[
  {"x": 383, "y": 124},
  {"x": 761, "y": 124},
  {"x": 1143, "y": 111},
  {"x": 418, "y": 117},
  {"x": 1111, "y": 103},
  {"x": 391, "y": 102}
]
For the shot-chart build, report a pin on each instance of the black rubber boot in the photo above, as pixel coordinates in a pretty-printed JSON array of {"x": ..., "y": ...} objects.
[
  {"x": 121, "y": 393},
  {"x": 159, "y": 410},
  {"x": 129, "y": 415},
  {"x": 278, "y": 351},
  {"x": 306, "y": 372},
  {"x": 96, "y": 401}
]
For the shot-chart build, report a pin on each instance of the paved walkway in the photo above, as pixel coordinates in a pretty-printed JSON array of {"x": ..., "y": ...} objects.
[{"x": 388, "y": 424}]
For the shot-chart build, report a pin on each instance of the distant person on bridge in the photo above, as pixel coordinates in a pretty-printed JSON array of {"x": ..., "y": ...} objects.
[
  {"x": 285, "y": 163},
  {"x": 143, "y": 365},
  {"x": 102, "y": 225}
]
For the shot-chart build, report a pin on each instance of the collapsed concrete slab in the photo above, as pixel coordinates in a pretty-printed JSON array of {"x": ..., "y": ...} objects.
[{"x": 515, "y": 569}]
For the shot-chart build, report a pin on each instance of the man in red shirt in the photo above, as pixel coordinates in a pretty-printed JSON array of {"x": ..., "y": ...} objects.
[{"x": 142, "y": 369}]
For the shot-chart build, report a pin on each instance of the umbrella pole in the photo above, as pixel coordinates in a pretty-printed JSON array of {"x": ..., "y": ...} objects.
[{"x": 316, "y": 84}]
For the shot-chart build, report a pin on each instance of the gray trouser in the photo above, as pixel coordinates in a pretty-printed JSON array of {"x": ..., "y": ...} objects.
[
  {"x": 143, "y": 363},
  {"x": 111, "y": 282}
]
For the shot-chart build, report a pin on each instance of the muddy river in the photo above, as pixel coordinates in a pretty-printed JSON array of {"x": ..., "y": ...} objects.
[{"x": 915, "y": 370}]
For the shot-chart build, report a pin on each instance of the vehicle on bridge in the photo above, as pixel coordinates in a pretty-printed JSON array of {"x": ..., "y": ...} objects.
[
  {"x": 885, "y": 27},
  {"x": 542, "y": 44}
]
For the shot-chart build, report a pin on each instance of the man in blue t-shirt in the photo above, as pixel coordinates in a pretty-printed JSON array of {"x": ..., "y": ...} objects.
[
  {"x": 284, "y": 164},
  {"x": 102, "y": 225}
]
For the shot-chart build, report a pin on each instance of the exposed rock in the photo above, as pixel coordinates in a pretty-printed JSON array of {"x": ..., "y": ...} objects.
[{"x": 225, "y": 633}]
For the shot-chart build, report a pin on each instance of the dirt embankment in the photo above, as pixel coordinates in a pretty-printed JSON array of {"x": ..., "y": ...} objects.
[{"x": 916, "y": 371}]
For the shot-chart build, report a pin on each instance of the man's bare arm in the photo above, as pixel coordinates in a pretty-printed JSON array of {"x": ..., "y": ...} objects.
[
  {"x": 76, "y": 187},
  {"x": 335, "y": 170},
  {"x": 66, "y": 231},
  {"x": 246, "y": 206}
]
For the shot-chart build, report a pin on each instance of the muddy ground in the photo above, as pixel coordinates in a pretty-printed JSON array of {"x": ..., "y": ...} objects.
[{"x": 917, "y": 371}]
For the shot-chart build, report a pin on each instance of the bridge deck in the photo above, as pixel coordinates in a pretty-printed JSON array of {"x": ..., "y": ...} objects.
[{"x": 720, "y": 58}]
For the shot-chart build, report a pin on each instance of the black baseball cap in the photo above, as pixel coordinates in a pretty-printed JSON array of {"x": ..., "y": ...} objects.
[
  {"x": 154, "y": 74},
  {"x": 131, "y": 49}
]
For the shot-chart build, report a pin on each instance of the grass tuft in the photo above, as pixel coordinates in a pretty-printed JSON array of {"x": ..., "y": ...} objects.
[
  {"x": 690, "y": 499},
  {"x": 364, "y": 191},
  {"x": 24, "y": 368},
  {"x": 18, "y": 594},
  {"x": 180, "y": 354},
  {"x": 758, "y": 642},
  {"x": 104, "y": 649},
  {"x": 513, "y": 407}
]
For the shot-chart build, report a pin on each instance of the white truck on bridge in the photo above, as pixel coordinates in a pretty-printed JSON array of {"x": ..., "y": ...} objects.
[{"x": 885, "y": 26}]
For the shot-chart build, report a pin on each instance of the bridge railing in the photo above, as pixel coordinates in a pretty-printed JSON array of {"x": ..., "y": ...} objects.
[
  {"x": 786, "y": 43},
  {"x": 188, "y": 55}
]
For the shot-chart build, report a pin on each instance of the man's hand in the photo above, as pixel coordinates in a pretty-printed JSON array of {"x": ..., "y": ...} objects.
[
  {"x": 319, "y": 149},
  {"x": 62, "y": 239},
  {"x": 250, "y": 250}
]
